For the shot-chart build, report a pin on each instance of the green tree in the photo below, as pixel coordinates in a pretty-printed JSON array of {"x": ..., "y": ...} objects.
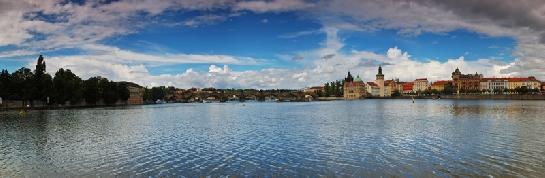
[
  {"x": 110, "y": 93},
  {"x": 5, "y": 84},
  {"x": 122, "y": 91},
  {"x": 158, "y": 93},
  {"x": 333, "y": 89},
  {"x": 91, "y": 91},
  {"x": 43, "y": 87},
  {"x": 22, "y": 84},
  {"x": 338, "y": 88},
  {"x": 327, "y": 89},
  {"x": 67, "y": 87},
  {"x": 147, "y": 95},
  {"x": 522, "y": 90},
  {"x": 449, "y": 89}
]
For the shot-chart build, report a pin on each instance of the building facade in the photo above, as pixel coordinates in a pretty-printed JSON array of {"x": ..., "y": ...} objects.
[
  {"x": 380, "y": 81},
  {"x": 314, "y": 90},
  {"x": 136, "y": 94},
  {"x": 373, "y": 89},
  {"x": 440, "y": 85},
  {"x": 466, "y": 83},
  {"x": 494, "y": 85},
  {"x": 420, "y": 85},
  {"x": 353, "y": 88},
  {"x": 408, "y": 88},
  {"x": 390, "y": 87},
  {"x": 529, "y": 82}
]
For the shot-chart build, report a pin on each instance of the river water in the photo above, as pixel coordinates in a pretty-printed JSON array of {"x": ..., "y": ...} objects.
[{"x": 365, "y": 138}]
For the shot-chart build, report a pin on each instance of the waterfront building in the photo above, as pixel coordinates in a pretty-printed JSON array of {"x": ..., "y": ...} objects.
[
  {"x": 529, "y": 82},
  {"x": 398, "y": 87},
  {"x": 408, "y": 88},
  {"x": 420, "y": 85},
  {"x": 466, "y": 83},
  {"x": 353, "y": 88},
  {"x": 373, "y": 89},
  {"x": 380, "y": 81},
  {"x": 440, "y": 85},
  {"x": 494, "y": 85},
  {"x": 136, "y": 94},
  {"x": 390, "y": 86},
  {"x": 314, "y": 89}
]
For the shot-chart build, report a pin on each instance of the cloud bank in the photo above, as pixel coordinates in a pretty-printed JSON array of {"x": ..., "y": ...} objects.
[{"x": 37, "y": 26}]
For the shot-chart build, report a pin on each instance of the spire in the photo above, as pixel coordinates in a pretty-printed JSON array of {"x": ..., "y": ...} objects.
[
  {"x": 380, "y": 70},
  {"x": 349, "y": 77}
]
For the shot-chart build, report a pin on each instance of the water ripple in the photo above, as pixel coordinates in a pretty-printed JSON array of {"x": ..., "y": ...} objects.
[{"x": 369, "y": 138}]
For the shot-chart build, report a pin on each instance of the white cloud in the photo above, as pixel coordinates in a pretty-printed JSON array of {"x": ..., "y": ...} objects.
[
  {"x": 204, "y": 20},
  {"x": 85, "y": 25},
  {"x": 272, "y": 6},
  {"x": 216, "y": 69},
  {"x": 321, "y": 69},
  {"x": 109, "y": 53}
]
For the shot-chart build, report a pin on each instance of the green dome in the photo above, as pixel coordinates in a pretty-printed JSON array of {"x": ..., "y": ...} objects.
[{"x": 358, "y": 79}]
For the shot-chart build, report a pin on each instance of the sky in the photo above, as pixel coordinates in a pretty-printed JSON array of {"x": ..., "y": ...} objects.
[{"x": 273, "y": 43}]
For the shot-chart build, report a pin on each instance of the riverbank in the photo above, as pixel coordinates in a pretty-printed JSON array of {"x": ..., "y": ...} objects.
[
  {"x": 470, "y": 97},
  {"x": 38, "y": 105},
  {"x": 17, "y": 105}
]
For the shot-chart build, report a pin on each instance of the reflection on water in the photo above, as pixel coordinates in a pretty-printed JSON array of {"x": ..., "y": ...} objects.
[{"x": 341, "y": 138}]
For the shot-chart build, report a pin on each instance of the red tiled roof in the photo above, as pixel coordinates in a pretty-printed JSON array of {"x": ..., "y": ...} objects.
[
  {"x": 408, "y": 86},
  {"x": 372, "y": 84},
  {"x": 494, "y": 79},
  {"x": 441, "y": 82},
  {"x": 351, "y": 84},
  {"x": 421, "y": 79},
  {"x": 521, "y": 79}
]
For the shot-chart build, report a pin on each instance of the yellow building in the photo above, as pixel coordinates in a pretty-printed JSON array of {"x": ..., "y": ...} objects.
[
  {"x": 353, "y": 88},
  {"x": 440, "y": 85},
  {"x": 136, "y": 94},
  {"x": 528, "y": 82},
  {"x": 380, "y": 81}
]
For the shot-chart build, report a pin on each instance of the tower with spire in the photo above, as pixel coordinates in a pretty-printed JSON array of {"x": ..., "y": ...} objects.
[
  {"x": 380, "y": 81},
  {"x": 353, "y": 88}
]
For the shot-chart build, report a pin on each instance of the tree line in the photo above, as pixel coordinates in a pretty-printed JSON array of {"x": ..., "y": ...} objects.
[
  {"x": 30, "y": 86},
  {"x": 333, "y": 88}
]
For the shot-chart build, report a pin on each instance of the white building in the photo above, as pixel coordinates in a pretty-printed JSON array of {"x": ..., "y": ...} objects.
[
  {"x": 373, "y": 89},
  {"x": 420, "y": 85},
  {"x": 494, "y": 85}
]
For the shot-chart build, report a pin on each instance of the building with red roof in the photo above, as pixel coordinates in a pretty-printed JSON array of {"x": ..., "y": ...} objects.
[
  {"x": 440, "y": 85},
  {"x": 529, "y": 82},
  {"x": 408, "y": 88},
  {"x": 353, "y": 88}
]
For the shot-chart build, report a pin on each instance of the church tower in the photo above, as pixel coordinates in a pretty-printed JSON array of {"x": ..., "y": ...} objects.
[{"x": 380, "y": 81}]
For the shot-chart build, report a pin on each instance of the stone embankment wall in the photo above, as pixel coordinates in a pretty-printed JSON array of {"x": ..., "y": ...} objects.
[
  {"x": 474, "y": 97},
  {"x": 496, "y": 97},
  {"x": 17, "y": 104},
  {"x": 330, "y": 98}
]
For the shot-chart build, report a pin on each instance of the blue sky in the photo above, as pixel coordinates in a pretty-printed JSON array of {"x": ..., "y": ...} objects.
[{"x": 259, "y": 44}]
